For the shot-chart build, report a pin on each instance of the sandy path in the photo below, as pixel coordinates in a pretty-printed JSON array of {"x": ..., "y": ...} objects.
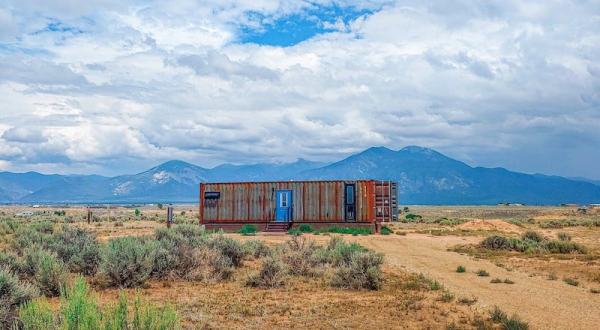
[{"x": 544, "y": 304}]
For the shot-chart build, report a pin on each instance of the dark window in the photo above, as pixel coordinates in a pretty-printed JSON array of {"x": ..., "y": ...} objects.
[
  {"x": 350, "y": 194},
  {"x": 212, "y": 195},
  {"x": 211, "y": 198}
]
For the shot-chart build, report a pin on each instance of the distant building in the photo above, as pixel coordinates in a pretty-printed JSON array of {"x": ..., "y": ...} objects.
[{"x": 278, "y": 206}]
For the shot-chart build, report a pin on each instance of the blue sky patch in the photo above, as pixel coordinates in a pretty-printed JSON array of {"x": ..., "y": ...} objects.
[
  {"x": 295, "y": 28},
  {"x": 56, "y": 26}
]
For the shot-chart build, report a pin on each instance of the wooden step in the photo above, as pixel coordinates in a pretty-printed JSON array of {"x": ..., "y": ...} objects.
[{"x": 277, "y": 226}]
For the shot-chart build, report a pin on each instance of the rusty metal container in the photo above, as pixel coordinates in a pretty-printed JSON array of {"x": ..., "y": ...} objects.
[{"x": 348, "y": 201}]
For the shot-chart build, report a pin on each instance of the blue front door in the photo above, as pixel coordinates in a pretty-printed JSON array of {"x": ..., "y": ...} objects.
[{"x": 283, "y": 210}]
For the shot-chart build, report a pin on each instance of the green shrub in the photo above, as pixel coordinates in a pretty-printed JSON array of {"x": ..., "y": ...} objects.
[
  {"x": 189, "y": 232},
  {"x": 256, "y": 248},
  {"x": 508, "y": 281},
  {"x": 562, "y": 236},
  {"x": 482, "y": 272},
  {"x": 514, "y": 323},
  {"x": 36, "y": 315},
  {"x": 272, "y": 274},
  {"x": 299, "y": 255},
  {"x": 148, "y": 316},
  {"x": 305, "y": 228},
  {"x": 467, "y": 301},
  {"x": 45, "y": 270},
  {"x": 127, "y": 261},
  {"x": 9, "y": 261},
  {"x": 169, "y": 256},
  {"x": 50, "y": 275},
  {"x": 115, "y": 316},
  {"x": 294, "y": 232},
  {"x": 60, "y": 213},
  {"x": 496, "y": 242},
  {"x": 248, "y": 230},
  {"x": 532, "y": 242},
  {"x": 346, "y": 230},
  {"x": 44, "y": 227},
  {"x": 186, "y": 235},
  {"x": 435, "y": 285},
  {"x": 79, "y": 309},
  {"x": 507, "y": 323},
  {"x": 338, "y": 252},
  {"x": 386, "y": 231},
  {"x": 422, "y": 282},
  {"x": 555, "y": 246},
  {"x": 413, "y": 217},
  {"x": 78, "y": 249},
  {"x": 13, "y": 293},
  {"x": 461, "y": 269},
  {"x": 208, "y": 265},
  {"x": 532, "y": 236},
  {"x": 446, "y": 296},
  {"x": 571, "y": 281},
  {"x": 28, "y": 236},
  {"x": 8, "y": 226},
  {"x": 497, "y": 315},
  {"x": 229, "y": 247},
  {"x": 177, "y": 253},
  {"x": 417, "y": 282},
  {"x": 363, "y": 272},
  {"x": 496, "y": 280}
]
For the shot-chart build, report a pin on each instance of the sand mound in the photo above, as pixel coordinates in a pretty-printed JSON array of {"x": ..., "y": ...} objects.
[{"x": 490, "y": 225}]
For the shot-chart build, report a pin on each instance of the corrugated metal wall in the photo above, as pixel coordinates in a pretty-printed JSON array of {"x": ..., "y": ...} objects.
[
  {"x": 386, "y": 201},
  {"x": 313, "y": 201}
]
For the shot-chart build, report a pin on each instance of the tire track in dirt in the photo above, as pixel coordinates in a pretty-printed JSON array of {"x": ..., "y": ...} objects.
[{"x": 544, "y": 304}]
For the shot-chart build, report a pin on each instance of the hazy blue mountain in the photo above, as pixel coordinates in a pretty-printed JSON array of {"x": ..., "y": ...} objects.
[
  {"x": 70, "y": 189},
  {"x": 578, "y": 178},
  {"x": 424, "y": 176},
  {"x": 14, "y": 186},
  {"x": 262, "y": 172},
  {"x": 175, "y": 181}
]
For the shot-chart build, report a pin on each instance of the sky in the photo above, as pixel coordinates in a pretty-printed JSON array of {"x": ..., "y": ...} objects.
[{"x": 112, "y": 87}]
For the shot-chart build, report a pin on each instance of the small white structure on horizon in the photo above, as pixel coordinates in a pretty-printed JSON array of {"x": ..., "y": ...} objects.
[{"x": 24, "y": 214}]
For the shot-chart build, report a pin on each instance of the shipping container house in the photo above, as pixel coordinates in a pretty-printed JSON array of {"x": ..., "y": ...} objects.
[{"x": 285, "y": 204}]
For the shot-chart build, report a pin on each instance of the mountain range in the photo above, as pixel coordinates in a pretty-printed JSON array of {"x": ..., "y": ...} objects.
[{"x": 424, "y": 176}]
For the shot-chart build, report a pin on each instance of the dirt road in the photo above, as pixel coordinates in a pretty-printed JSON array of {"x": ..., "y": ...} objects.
[{"x": 544, "y": 304}]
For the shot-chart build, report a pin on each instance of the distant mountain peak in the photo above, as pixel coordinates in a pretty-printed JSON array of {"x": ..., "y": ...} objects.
[
  {"x": 379, "y": 151},
  {"x": 174, "y": 165},
  {"x": 419, "y": 150}
]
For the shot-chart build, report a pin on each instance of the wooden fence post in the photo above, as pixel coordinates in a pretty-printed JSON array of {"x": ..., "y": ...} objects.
[
  {"x": 89, "y": 215},
  {"x": 169, "y": 216}
]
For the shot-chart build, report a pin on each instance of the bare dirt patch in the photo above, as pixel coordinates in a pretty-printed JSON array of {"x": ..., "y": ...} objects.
[{"x": 491, "y": 224}]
